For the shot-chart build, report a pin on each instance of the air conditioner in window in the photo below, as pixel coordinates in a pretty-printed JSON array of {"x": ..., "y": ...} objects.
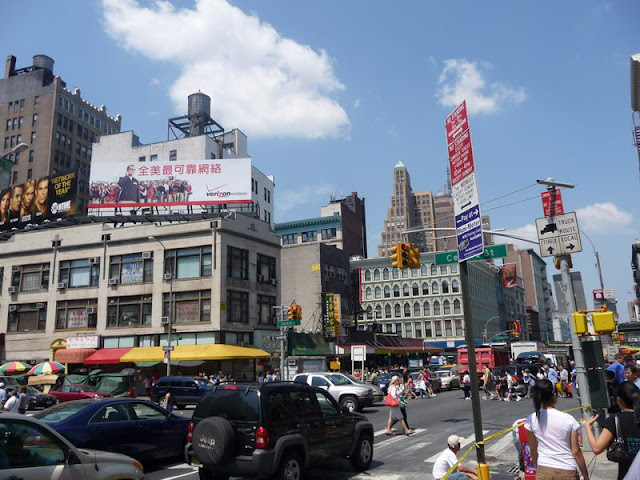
[
  {"x": 13, "y": 308},
  {"x": 13, "y": 289},
  {"x": 243, "y": 344},
  {"x": 146, "y": 255},
  {"x": 167, "y": 276},
  {"x": 62, "y": 285},
  {"x": 261, "y": 278},
  {"x": 164, "y": 320},
  {"x": 113, "y": 281},
  {"x": 274, "y": 281},
  {"x": 94, "y": 260},
  {"x": 40, "y": 305},
  {"x": 91, "y": 310},
  {"x": 15, "y": 269}
]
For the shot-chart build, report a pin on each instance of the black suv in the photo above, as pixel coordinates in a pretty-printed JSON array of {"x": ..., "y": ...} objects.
[
  {"x": 274, "y": 429},
  {"x": 185, "y": 390}
]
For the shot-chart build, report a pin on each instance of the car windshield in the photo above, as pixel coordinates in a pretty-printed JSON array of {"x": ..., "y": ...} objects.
[
  {"x": 338, "y": 379},
  {"x": 385, "y": 377},
  {"x": 88, "y": 388},
  {"x": 202, "y": 382},
  {"x": 60, "y": 412},
  {"x": 443, "y": 374},
  {"x": 32, "y": 390},
  {"x": 352, "y": 378},
  {"x": 9, "y": 381}
]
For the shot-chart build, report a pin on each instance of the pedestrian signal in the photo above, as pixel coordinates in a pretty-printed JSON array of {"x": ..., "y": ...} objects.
[{"x": 603, "y": 322}]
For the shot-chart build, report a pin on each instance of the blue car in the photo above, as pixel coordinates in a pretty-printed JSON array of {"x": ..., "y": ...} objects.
[{"x": 137, "y": 428}]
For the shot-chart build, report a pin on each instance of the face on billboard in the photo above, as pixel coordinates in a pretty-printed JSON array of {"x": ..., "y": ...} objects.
[
  {"x": 42, "y": 191},
  {"x": 4, "y": 202},
  {"x": 131, "y": 170},
  {"x": 16, "y": 197},
  {"x": 28, "y": 194}
]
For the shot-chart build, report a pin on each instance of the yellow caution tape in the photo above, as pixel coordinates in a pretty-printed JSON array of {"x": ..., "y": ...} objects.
[{"x": 496, "y": 435}]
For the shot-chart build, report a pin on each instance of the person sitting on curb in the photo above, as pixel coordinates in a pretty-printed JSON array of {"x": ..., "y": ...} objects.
[{"x": 448, "y": 459}]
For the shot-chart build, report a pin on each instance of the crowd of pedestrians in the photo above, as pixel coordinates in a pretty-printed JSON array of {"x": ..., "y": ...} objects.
[{"x": 14, "y": 400}]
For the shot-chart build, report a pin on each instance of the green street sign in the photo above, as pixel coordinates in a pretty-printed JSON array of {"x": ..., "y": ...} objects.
[
  {"x": 493, "y": 251},
  {"x": 288, "y": 323}
]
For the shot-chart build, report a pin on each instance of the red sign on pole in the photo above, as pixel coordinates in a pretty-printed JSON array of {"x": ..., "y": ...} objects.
[
  {"x": 461, "y": 157},
  {"x": 457, "y": 123},
  {"x": 552, "y": 203}
]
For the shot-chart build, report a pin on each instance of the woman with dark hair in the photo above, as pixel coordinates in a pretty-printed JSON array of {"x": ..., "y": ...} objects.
[
  {"x": 553, "y": 437},
  {"x": 628, "y": 420}
]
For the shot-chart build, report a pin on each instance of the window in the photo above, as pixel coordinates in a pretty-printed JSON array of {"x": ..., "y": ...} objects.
[
  {"x": 436, "y": 308},
  {"x": 387, "y": 292},
  {"x": 290, "y": 239},
  {"x": 407, "y": 330},
  {"x": 27, "y": 317},
  {"x": 425, "y": 288},
  {"x": 455, "y": 287},
  {"x": 153, "y": 158},
  {"x": 32, "y": 156},
  {"x": 438, "y": 328},
  {"x": 446, "y": 307},
  {"x": 367, "y": 293},
  {"x": 80, "y": 273},
  {"x": 378, "y": 312},
  {"x": 142, "y": 158},
  {"x": 188, "y": 307},
  {"x": 389, "y": 328},
  {"x": 428, "y": 330},
  {"x": 387, "y": 311},
  {"x": 395, "y": 273},
  {"x": 309, "y": 236},
  {"x": 399, "y": 328},
  {"x": 397, "y": 311},
  {"x": 36, "y": 101},
  {"x": 30, "y": 448},
  {"x": 173, "y": 155},
  {"x": 434, "y": 270},
  {"x": 407, "y": 310},
  {"x": 33, "y": 137},
  {"x": 14, "y": 177},
  {"x": 418, "y": 326},
  {"x": 266, "y": 312},
  {"x": 130, "y": 311},
  {"x": 459, "y": 328},
  {"x": 456, "y": 306},
  {"x": 188, "y": 262},
  {"x": 131, "y": 268},
  {"x": 447, "y": 328},
  {"x": 405, "y": 273},
  {"x": 435, "y": 288},
  {"x": 445, "y": 287},
  {"x": 367, "y": 275},
  {"x": 369, "y": 313},
  {"x": 454, "y": 268},
  {"x": 427, "y": 309},
  {"x": 378, "y": 292},
  {"x": 396, "y": 291},
  {"x": 31, "y": 278},
  {"x": 443, "y": 269},
  {"x": 415, "y": 289},
  {"x": 266, "y": 268},
  {"x": 416, "y": 309},
  {"x": 29, "y": 171},
  {"x": 423, "y": 270},
  {"x": 328, "y": 233},
  {"x": 237, "y": 263},
  {"x": 144, "y": 411},
  {"x": 76, "y": 314},
  {"x": 376, "y": 275},
  {"x": 385, "y": 274},
  {"x": 405, "y": 290},
  {"x": 237, "y": 307}
]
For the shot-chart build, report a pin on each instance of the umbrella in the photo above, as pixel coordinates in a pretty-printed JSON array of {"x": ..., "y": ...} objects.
[
  {"x": 14, "y": 367},
  {"x": 46, "y": 368}
]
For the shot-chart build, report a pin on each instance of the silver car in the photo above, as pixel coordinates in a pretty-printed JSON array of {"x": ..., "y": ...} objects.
[
  {"x": 351, "y": 396},
  {"x": 31, "y": 450},
  {"x": 377, "y": 393},
  {"x": 448, "y": 379}
]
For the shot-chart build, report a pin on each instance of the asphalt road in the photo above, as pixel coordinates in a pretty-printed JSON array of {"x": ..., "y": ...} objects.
[{"x": 412, "y": 457}]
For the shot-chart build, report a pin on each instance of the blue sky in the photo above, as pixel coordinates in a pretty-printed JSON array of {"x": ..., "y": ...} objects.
[{"x": 333, "y": 94}]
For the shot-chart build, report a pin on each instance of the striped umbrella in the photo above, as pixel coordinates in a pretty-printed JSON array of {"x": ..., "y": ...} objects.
[
  {"x": 14, "y": 367},
  {"x": 46, "y": 368}
]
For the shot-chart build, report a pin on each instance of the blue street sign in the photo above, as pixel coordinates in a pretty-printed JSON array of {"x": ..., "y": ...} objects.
[{"x": 469, "y": 233}]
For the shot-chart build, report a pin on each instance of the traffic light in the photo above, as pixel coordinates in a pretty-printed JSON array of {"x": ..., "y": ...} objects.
[
  {"x": 396, "y": 255},
  {"x": 556, "y": 262},
  {"x": 298, "y": 312},
  {"x": 414, "y": 256},
  {"x": 405, "y": 249},
  {"x": 580, "y": 324},
  {"x": 291, "y": 314}
]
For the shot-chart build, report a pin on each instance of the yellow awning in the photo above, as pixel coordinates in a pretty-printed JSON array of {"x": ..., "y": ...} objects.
[{"x": 194, "y": 352}]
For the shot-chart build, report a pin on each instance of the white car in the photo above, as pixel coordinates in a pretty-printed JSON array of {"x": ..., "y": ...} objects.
[
  {"x": 31, "y": 450},
  {"x": 448, "y": 379}
]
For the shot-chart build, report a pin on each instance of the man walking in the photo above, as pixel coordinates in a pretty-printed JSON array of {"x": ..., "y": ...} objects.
[
  {"x": 631, "y": 372},
  {"x": 617, "y": 367},
  {"x": 3, "y": 395},
  {"x": 448, "y": 459}
]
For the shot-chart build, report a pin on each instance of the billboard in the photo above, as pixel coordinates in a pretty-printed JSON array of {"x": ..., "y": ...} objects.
[
  {"x": 164, "y": 184},
  {"x": 46, "y": 198}
]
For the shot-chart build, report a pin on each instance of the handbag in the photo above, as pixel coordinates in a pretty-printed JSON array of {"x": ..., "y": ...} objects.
[
  {"x": 389, "y": 401},
  {"x": 403, "y": 404},
  {"x": 617, "y": 451}
]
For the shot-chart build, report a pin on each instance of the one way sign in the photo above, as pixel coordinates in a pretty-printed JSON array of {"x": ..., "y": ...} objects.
[{"x": 558, "y": 235}]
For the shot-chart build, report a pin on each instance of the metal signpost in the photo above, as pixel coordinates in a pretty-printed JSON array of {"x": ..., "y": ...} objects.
[
  {"x": 558, "y": 235},
  {"x": 466, "y": 206}
]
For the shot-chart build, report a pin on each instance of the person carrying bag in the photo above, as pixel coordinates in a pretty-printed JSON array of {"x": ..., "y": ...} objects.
[{"x": 392, "y": 400}]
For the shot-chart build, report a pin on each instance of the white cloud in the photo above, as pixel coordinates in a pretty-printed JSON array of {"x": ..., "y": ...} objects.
[
  {"x": 259, "y": 81},
  {"x": 154, "y": 81},
  {"x": 356, "y": 103},
  {"x": 528, "y": 231},
  {"x": 461, "y": 79},
  {"x": 603, "y": 218},
  {"x": 290, "y": 199}
]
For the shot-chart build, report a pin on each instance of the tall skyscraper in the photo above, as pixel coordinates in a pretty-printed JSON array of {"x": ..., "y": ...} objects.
[
  {"x": 444, "y": 218},
  {"x": 59, "y": 126},
  {"x": 407, "y": 210}
]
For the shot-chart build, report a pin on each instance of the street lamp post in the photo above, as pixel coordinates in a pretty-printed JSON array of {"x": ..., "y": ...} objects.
[
  {"x": 170, "y": 316},
  {"x": 6, "y": 164},
  {"x": 484, "y": 335}
]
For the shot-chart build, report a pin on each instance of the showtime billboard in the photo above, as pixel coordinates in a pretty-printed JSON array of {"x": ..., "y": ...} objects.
[
  {"x": 32, "y": 202},
  {"x": 165, "y": 184}
]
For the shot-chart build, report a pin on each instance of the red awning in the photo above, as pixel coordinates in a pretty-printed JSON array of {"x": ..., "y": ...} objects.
[
  {"x": 106, "y": 356},
  {"x": 73, "y": 355}
]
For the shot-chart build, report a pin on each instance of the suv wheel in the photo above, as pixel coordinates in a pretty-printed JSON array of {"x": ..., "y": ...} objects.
[
  {"x": 350, "y": 402},
  {"x": 206, "y": 474},
  {"x": 213, "y": 440},
  {"x": 363, "y": 454},
  {"x": 290, "y": 467}
]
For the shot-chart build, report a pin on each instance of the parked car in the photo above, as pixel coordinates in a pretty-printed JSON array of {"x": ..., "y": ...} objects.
[
  {"x": 66, "y": 393},
  {"x": 377, "y": 393},
  {"x": 37, "y": 399},
  {"x": 135, "y": 426},
  {"x": 185, "y": 390},
  {"x": 383, "y": 381},
  {"x": 274, "y": 429},
  {"x": 436, "y": 383},
  {"x": 32, "y": 450},
  {"x": 449, "y": 379},
  {"x": 352, "y": 396}
]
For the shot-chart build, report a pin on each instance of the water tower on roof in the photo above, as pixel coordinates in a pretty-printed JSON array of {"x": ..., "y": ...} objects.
[{"x": 197, "y": 122}]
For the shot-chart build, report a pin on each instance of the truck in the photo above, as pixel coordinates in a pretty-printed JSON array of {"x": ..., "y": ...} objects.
[
  {"x": 520, "y": 347},
  {"x": 485, "y": 357}
]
